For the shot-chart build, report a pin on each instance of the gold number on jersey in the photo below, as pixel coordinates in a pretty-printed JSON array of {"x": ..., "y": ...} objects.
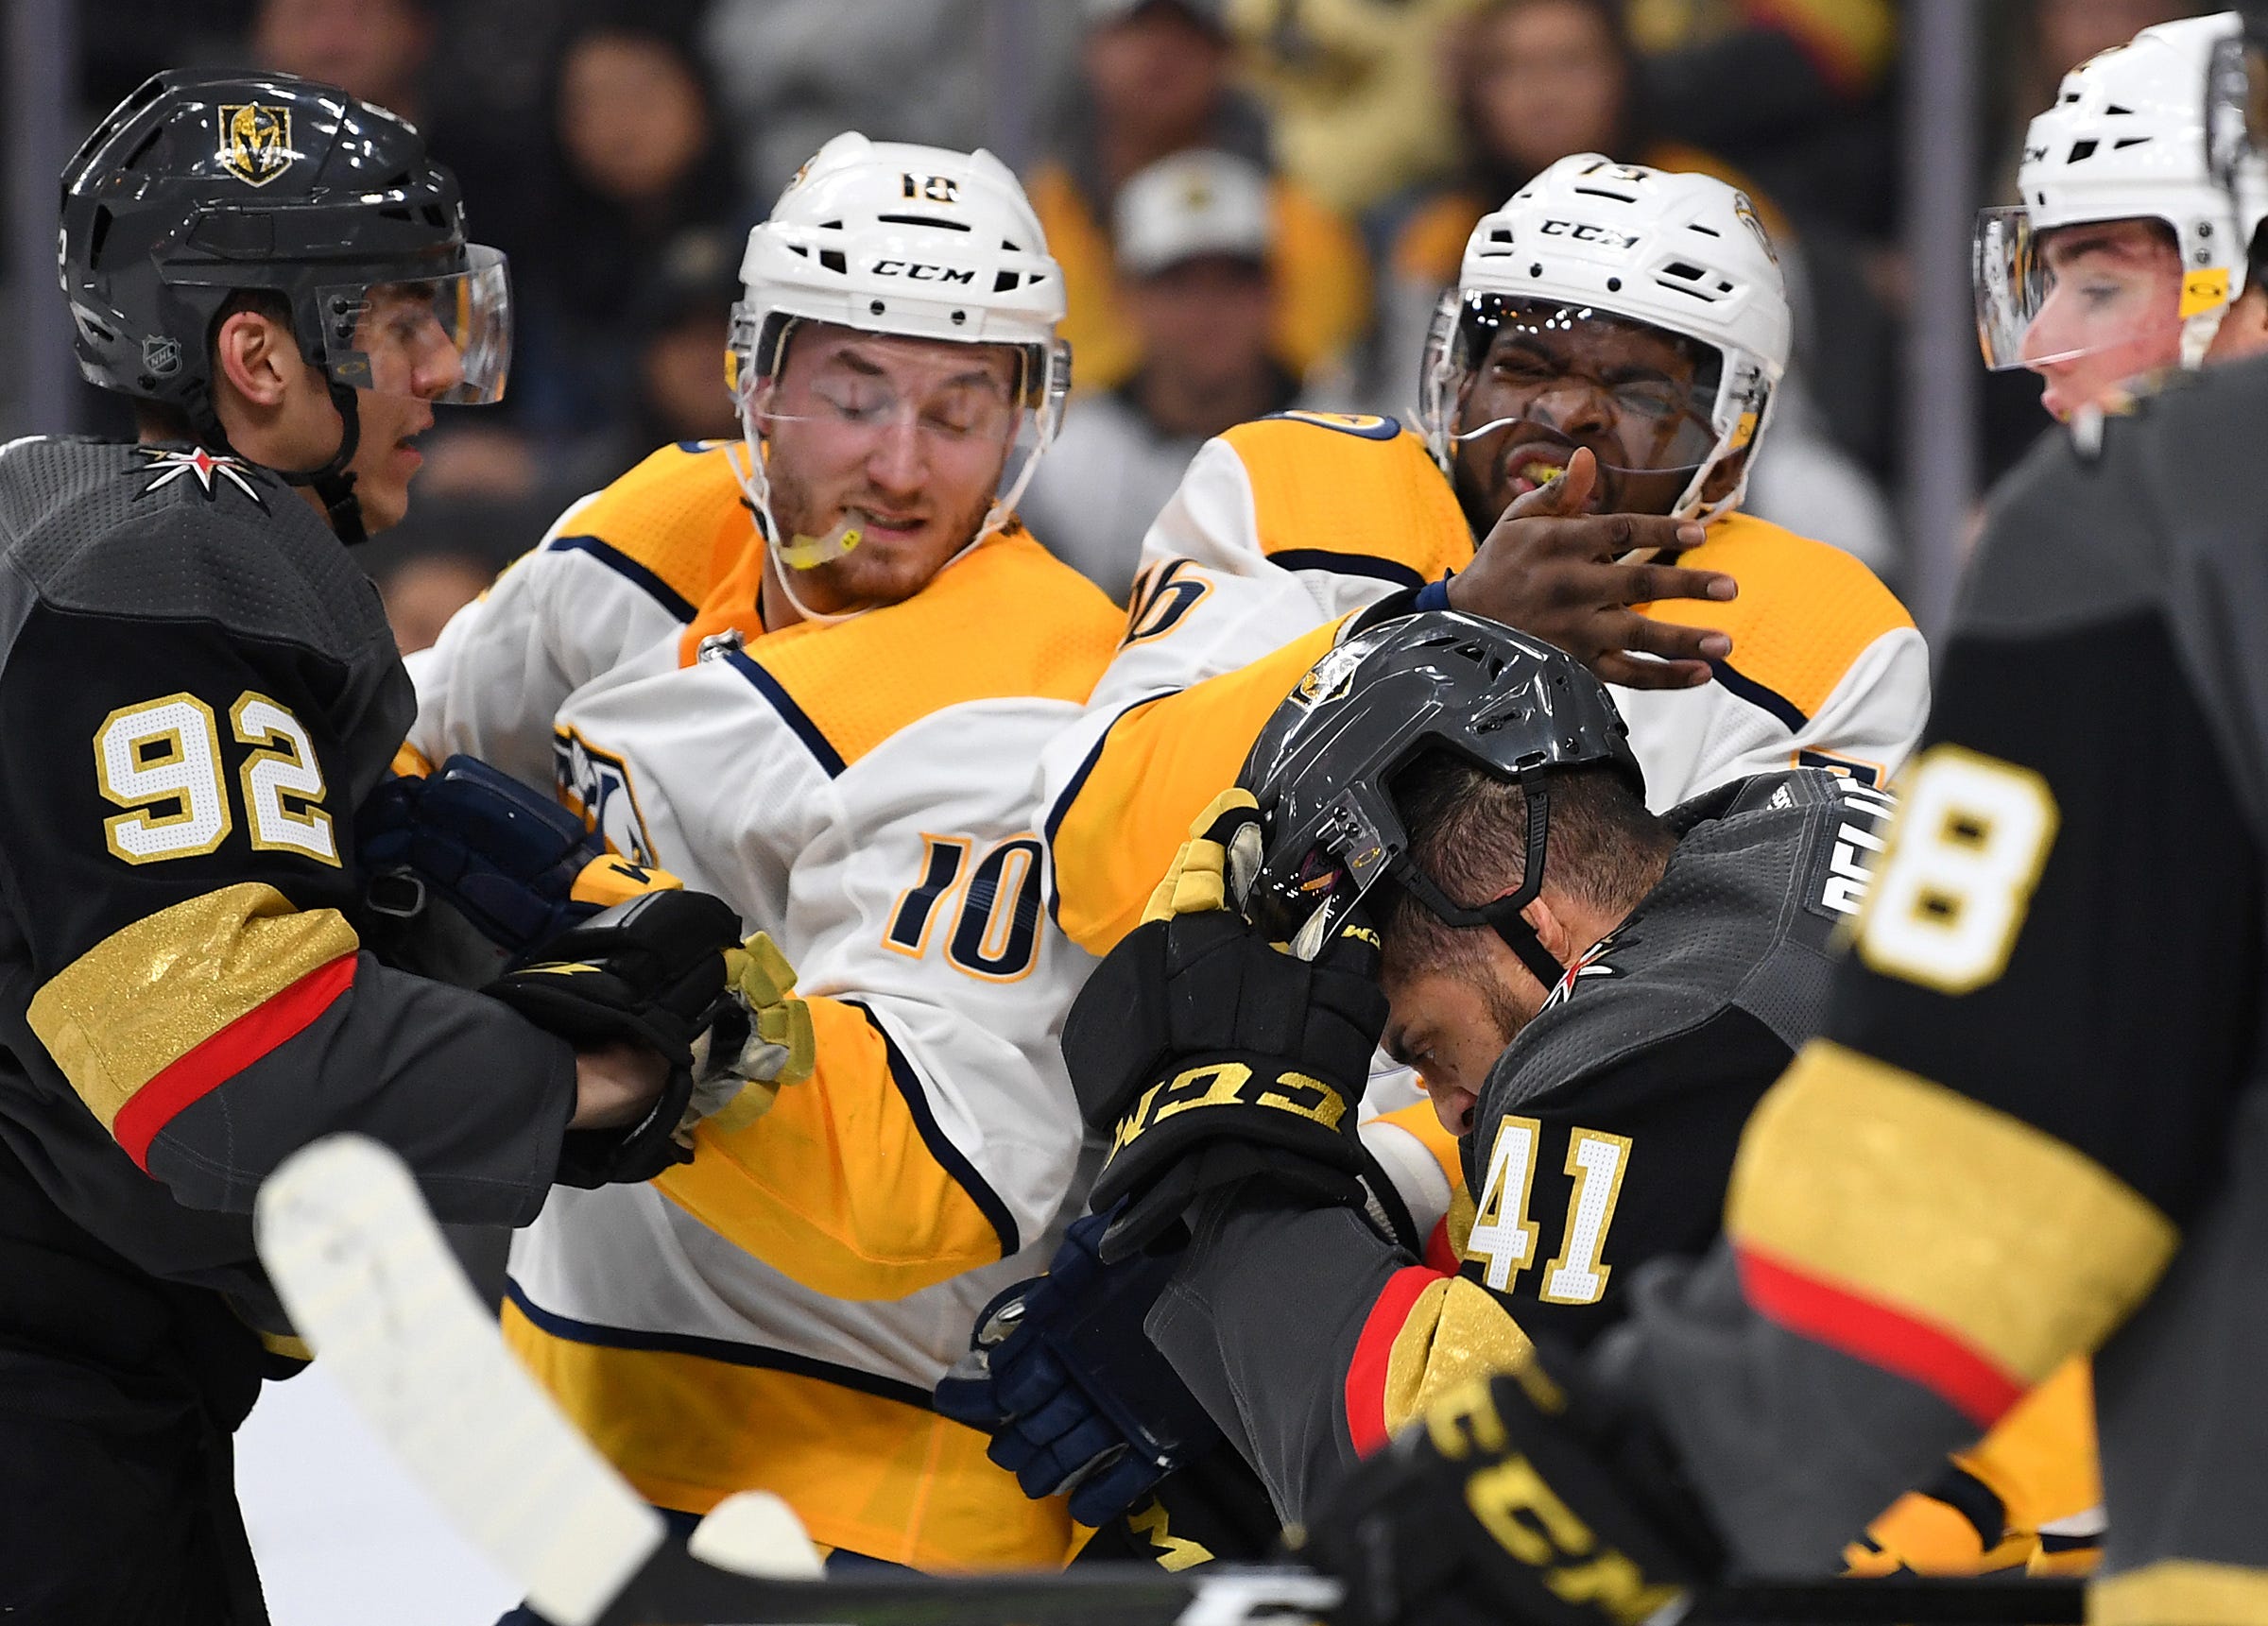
[
  {"x": 1163, "y": 594},
  {"x": 161, "y": 760},
  {"x": 995, "y": 935},
  {"x": 1965, "y": 855},
  {"x": 1597, "y": 1161},
  {"x": 1504, "y": 1236},
  {"x": 285, "y": 766},
  {"x": 1501, "y": 1232}
]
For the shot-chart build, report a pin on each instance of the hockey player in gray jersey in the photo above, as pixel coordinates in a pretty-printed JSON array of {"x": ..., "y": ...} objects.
[
  {"x": 1595, "y": 998},
  {"x": 198, "y": 692},
  {"x": 2037, "y": 1124}
]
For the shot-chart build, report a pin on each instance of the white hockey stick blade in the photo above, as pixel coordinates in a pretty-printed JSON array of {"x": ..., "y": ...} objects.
[
  {"x": 754, "y": 1532},
  {"x": 370, "y": 1284}
]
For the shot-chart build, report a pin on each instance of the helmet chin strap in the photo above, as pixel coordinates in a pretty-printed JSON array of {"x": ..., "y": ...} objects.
[{"x": 333, "y": 484}]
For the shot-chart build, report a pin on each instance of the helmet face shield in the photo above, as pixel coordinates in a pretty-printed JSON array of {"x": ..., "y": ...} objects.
[
  {"x": 2057, "y": 295},
  {"x": 445, "y": 338},
  {"x": 1543, "y": 375},
  {"x": 958, "y": 418}
]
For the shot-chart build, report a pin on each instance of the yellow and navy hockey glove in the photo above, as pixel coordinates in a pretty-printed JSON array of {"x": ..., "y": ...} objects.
[
  {"x": 1209, "y": 1055},
  {"x": 761, "y": 1040}
]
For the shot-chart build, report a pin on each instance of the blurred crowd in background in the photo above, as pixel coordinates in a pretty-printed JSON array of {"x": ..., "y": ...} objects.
[{"x": 1256, "y": 204}]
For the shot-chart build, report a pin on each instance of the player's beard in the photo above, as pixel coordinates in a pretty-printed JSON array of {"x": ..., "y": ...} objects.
[{"x": 879, "y": 569}]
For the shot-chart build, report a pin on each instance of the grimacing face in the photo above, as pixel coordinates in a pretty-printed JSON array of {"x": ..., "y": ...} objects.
[
  {"x": 1635, "y": 394},
  {"x": 904, "y": 437}
]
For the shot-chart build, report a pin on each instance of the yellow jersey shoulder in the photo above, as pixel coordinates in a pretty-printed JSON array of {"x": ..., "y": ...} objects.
[
  {"x": 1010, "y": 620},
  {"x": 675, "y": 524},
  {"x": 1343, "y": 491},
  {"x": 1805, "y": 613}
]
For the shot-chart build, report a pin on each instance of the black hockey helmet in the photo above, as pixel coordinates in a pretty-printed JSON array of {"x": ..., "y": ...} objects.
[
  {"x": 1323, "y": 769},
  {"x": 204, "y": 183}
]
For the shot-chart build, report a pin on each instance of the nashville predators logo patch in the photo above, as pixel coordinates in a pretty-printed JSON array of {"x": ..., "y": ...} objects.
[
  {"x": 255, "y": 142},
  {"x": 166, "y": 467}
]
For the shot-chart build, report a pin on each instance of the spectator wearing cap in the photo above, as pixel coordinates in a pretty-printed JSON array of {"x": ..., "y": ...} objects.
[
  {"x": 1196, "y": 243},
  {"x": 1155, "y": 80}
]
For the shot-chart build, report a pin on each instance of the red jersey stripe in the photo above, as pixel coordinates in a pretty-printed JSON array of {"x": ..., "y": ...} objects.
[
  {"x": 199, "y": 1072},
  {"x": 1374, "y": 1353},
  {"x": 1878, "y": 1335}
]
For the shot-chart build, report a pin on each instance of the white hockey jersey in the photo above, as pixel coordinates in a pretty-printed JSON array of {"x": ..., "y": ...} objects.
[
  {"x": 1285, "y": 527},
  {"x": 773, "y": 1314},
  {"x": 619, "y": 572}
]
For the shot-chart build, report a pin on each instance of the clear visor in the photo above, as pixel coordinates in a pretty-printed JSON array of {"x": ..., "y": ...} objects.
[
  {"x": 2037, "y": 309},
  {"x": 955, "y": 417},
  {"x": 1542, "y": 376},
  {"x": 444, "y": 338}
]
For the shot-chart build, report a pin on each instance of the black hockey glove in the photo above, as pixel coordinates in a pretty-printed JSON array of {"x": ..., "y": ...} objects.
[
  {"x": 1211, "y": 1055},
  {"x": 652, "y": 971},
  {"x": 1508, "y": 1503}
]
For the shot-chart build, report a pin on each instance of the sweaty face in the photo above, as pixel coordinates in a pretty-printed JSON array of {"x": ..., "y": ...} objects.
[
  {"x": 1553, "y": 378},
  {"x": 904, "y": 437},
  {"x": 2112, "y": 315},
  {"x": 1451, "y": 1016}
]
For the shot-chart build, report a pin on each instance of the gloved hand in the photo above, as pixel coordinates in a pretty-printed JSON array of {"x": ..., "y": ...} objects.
[
  {"x": 1511, "y": 1502},
  {"x": 1075, "y": 1396},
  {"x": 515, "y": 864},
  {"x": 761, "y": 1040},
  {"x": 651, "y": 970},
  {"x": 1211, "y": 1055}
]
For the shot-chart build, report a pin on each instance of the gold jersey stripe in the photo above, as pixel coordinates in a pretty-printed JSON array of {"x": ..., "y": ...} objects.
[
  {"x": 2180, "y": 1592},
  {"x": 1456, "y": 1333},
  {"x": 1943, "y": 1210},
  {"x": 147, "y": 995}
]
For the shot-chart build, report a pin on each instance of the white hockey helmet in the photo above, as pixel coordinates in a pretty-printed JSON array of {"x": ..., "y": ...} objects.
[
  {"x": 2124, "y": 141},
  {"x": 923, "y": 241},
  {"x": 1684, "y": 253}
]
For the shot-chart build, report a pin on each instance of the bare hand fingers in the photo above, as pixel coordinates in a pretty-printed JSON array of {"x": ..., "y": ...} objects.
[
  {"x": 1632, "y": 673},
  {"x": 1646, "y": 583},
  {"x": 1564, "y": 493},
  {"x": 1669, "y": 640}
]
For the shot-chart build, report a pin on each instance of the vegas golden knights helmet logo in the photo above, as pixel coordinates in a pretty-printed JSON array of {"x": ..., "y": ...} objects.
[{"x": 255, "y": 142}]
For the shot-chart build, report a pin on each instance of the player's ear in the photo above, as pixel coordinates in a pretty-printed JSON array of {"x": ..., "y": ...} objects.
[
  {"x": 257, "y": 358},
  {"x": 1551, "y": 929}
]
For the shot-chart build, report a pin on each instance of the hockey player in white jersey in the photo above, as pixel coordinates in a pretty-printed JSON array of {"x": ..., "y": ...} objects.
[
  {"x": 841, "y": 747},
  {"x": 1611, "y": 349}
]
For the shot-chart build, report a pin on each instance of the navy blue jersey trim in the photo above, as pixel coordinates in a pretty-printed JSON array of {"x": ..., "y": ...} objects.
[
  {"x": 1061, "y": 809},
  {"x": 795, "y": 716},
  {"x": 715, "y": 1349},
  {"x": 1348, "y": 565},
  {"x": 1757, "y": 696},
  {"x": 950, "y": 1157},
  {"x": 627, "y": 568}
]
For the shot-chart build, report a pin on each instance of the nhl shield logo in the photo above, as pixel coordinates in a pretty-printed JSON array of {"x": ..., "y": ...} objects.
[{"x": 255, "y": 142}]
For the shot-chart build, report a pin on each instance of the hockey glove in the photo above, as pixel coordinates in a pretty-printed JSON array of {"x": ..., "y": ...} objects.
[
  {"x": 761, "y": 1040},
  {"x": 1507, "y": 1502},
  {"x": 516, "y": 866},
  {"x": 651, "y": 970},
  {"x": 1211, "y": 1055},
  {"x": 1075, "y": 1396}
]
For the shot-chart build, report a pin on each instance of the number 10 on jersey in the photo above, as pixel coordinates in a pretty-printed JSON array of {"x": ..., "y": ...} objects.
[{"x": 992, "y": 906}]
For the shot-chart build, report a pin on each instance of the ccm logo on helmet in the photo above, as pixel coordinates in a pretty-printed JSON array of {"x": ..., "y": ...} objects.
[
  {"x": 1585, "y": 231},
  {"x": 915, "y": 271}
]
